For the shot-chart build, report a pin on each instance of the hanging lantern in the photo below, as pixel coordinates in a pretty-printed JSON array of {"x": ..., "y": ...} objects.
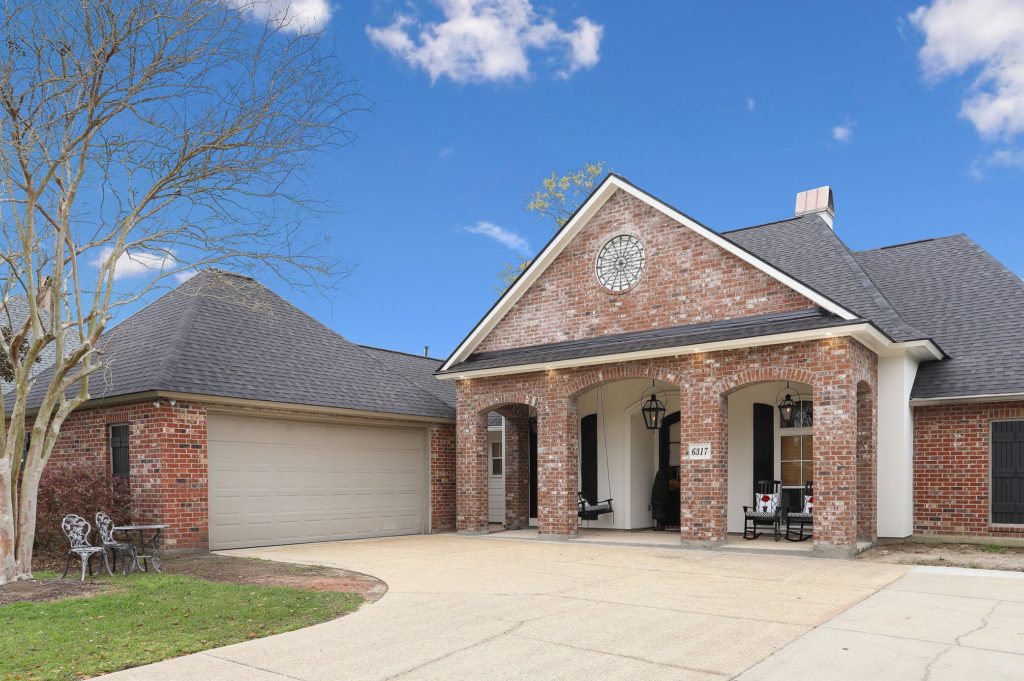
[
  {"x": 653, "y": 409},
  {"x": 788, "y": 407}
]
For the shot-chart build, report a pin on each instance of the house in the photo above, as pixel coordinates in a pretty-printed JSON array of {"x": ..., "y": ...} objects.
[
  {"x": 902, "y": 366},
  {"x": 241, "y": 421}
]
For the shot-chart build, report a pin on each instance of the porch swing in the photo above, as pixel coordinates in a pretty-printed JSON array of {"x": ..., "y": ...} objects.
[{"x": 585, "y": 509}]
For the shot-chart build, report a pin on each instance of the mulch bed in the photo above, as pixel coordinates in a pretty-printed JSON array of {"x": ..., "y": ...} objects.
[
  {"x": 981, "y": 556},
  {"x": 209, "y": 567}
]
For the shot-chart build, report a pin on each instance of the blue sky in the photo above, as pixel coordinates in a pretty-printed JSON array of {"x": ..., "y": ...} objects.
[{"x": 725, "y": 110}]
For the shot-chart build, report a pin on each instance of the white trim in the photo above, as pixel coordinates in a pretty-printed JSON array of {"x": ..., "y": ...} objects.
[
  {"x": 987, "y": 397},
  {"x": 864, "y": 332},
  {"x": 608, "y": 187}
]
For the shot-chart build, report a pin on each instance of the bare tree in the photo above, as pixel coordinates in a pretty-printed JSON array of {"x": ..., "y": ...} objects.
[{"x": 152, "y": 135}]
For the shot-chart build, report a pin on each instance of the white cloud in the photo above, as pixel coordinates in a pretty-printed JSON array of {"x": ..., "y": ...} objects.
[
  {"x": 487, "y": 40},
  {"x": 505, "y": 237},
  {"x": 1002, "y": 159},
  {"x": 293, "y": 16},
  {"x": 135, "y": 264},
  {"x": 751, "y": 104},
  {"x": 446, "y": 152},
  {"x": 987, "y": 35},
  {"x": 184, "y": 275},
  {"x": 843, "y": 133}
]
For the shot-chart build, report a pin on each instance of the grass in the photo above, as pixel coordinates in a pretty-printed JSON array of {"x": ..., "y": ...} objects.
[
  {"x": 147, "y": 618},
  {"x": 993, "y": 548}
]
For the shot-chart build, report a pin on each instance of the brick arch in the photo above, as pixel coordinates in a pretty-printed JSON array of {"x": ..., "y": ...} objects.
[
  {"x": 747, "y": 377},
  {"x": 583, "y": 381},
  {"x": 494, "y": 402}
]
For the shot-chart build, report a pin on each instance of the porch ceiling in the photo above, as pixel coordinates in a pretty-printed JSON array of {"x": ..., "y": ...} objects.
[{"x": 656, "y": 339}]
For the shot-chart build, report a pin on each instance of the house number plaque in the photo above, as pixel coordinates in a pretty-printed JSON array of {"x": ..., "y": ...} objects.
[{"x": 699, "y": 450}]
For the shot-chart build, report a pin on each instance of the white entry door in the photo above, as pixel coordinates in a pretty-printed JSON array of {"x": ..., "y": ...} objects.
[
  {"x": 277, "y": 481},
  {"x": 495, "y": 477}
]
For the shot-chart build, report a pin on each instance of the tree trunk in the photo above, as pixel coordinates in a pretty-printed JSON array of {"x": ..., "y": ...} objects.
[
  {"x": 9, "y": 571},
  {"x": 26, "y": 528}
]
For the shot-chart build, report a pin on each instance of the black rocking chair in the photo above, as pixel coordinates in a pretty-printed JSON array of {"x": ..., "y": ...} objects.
[
  {"x": 766, "y": 511},
  {"x": 802, "y": 518},
  {"x": 589, "y": 511}
]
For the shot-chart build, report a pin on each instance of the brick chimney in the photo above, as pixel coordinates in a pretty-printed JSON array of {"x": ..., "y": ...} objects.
[{"x": 817, "y": 201}]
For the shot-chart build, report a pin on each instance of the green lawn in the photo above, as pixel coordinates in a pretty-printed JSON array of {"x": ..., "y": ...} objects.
[{"x": 147, "y": 618}]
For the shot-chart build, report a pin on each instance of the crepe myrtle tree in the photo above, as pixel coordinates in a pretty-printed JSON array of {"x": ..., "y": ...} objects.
[{"x": 151, "y": 138}]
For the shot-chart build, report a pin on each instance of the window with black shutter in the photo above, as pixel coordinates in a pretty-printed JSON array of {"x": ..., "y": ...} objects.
[
  {"x": 119, "y": 450},
  {"x": 1008, "y": 472}
]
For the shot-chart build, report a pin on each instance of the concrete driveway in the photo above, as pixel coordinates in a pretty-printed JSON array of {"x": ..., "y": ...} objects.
[{"x": 491, "y": 608}]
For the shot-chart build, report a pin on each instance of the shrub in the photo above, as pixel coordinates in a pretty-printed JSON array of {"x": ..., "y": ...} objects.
[{"x": 80, "y": 490}]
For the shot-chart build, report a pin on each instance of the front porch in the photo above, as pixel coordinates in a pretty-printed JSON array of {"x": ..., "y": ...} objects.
[{"x": 581, "y": 430}]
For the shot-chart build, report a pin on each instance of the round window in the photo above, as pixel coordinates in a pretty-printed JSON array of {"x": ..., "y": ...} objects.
[{"x": 620, "y": 263}]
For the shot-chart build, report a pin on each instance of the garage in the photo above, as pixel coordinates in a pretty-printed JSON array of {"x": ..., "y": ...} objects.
[{"x": 283, "y": 481}]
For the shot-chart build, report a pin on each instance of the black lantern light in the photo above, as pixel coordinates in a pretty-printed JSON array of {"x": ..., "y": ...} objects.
[
  {"x": 653, "y": 409},
  {"x": 788, "y": 407}
]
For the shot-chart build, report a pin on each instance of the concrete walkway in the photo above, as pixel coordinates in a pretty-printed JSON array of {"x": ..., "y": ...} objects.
[{"x": 483, "y": 608}]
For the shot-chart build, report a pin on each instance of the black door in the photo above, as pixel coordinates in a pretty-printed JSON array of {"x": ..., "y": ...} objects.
[
  {"x": 588, "y": 457},
  {"x": 764, "y": 442},
  {"x": 533, "y": 468},
  {"x": 1008, "y": 472},
  {"x": 668, "y": 474}
]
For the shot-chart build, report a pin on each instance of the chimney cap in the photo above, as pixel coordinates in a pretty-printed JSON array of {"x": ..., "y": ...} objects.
[{"x": 818, "y": 201}]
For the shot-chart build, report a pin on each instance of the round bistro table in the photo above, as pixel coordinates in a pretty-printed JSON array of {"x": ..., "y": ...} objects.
[{"x": 148, "y": 552}]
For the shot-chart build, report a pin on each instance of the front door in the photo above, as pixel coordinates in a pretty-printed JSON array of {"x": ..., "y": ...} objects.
[
  {"x": 496, "y": 478},
  {"x": 764, "y": 443}
]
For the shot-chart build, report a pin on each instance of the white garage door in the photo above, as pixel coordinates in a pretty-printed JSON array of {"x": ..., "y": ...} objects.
[{"x": 275, "y": 481}]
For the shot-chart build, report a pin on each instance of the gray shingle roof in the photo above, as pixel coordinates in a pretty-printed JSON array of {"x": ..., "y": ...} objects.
[
  {"x": 679, "y": 336},
  {"x": 416, "y": 369},
  {"x": 226, "y": 335},
  {"x": 806, "y": 248},
  {"x": 968, "y": 302}
]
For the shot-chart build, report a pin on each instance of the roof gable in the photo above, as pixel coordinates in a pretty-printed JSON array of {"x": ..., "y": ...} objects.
[{"x": 598, "y": 198}]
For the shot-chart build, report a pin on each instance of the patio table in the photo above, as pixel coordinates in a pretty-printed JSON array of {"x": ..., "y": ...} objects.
[{"x": 148, "y": 553}]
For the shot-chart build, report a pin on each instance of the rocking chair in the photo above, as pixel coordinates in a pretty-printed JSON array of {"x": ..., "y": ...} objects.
[
  {"x": 802, "y": 518},
  {"x": 766, "y": 511},
  {"x": 589, "y": 511}
]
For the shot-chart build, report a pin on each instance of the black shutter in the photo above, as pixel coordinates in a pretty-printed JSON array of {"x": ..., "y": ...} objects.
[
  {"x": 588, "y": 457},
  {"x": 119, "y": 450},
  {"x": 764, "y": 442},
  {"x": 533, "y": 467},
  {"x": 1008, "y": 472}
]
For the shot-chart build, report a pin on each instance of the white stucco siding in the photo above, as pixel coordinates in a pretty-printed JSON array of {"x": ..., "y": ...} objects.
[{"x": 895, "y": 446}]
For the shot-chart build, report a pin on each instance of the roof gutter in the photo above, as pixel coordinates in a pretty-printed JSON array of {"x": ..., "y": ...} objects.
[
  {"x": 966, "y": 399},
  {"x": 864, "y": 332}
]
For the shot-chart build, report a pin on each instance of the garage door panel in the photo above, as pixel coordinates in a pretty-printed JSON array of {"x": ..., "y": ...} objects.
[{"x": 278, "y": 482}]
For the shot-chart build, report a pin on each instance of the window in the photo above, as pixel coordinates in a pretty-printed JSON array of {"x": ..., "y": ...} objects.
[
  {"x": 496, "y": 460},
  {"x": 803, "y": 416},
  {"x": 1007, "y": 459},
  {"x": 797, "y": 460},
  {"x": 119, "y": 450}
]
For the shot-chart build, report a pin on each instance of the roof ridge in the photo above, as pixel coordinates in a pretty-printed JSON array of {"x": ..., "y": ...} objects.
[
  {"x": 772, "y": 222},
  {"x": 186, "y": 323},
  {"x": 398, "y": 352},
  {"x": 958, "y": 235}
]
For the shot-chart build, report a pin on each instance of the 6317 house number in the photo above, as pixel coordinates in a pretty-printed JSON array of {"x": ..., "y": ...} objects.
[{"x": 699, "y": 450}]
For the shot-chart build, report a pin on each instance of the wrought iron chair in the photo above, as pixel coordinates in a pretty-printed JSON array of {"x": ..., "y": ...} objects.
[
  {"x": 76, "y": 529},
  {"x": 802, "y": 518},
  {"x": 589, "y": 511},
  {"x": 105, "y": 525},
  {"x": 766, "y": 511}
]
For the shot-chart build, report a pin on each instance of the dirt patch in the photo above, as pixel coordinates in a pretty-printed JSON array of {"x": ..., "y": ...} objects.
[
  {"x": 273, "y": 573},
  {"x": 980, "y": 556},
  {"x": 35, "y": 590}
]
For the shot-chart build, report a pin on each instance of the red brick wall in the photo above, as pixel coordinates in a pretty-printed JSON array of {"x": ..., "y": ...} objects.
[
  {"x": 442, "y": 478},
  {"x": 833, "y": 367},
  {"x": 687, "y": 280},
  {"x": 167, "y": 458},
  {"x": 952, "y": 472}
]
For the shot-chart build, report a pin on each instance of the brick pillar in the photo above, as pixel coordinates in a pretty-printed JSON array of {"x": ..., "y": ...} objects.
[
  {"x": 471, "y": 472},
  {"x": 835, "y": 469},
  {"x": 867, "y": 464},
  {"x": 442, "y": 477},
  {"x": 517, "y": 467},
  {"x": 703, "y": 483},
  {"x": 558, "y": 461}
]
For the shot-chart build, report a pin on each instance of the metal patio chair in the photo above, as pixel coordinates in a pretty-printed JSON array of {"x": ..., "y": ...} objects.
[
  {"x": 76, "y": 529},
  {"x": 766, "y": 510},
  {"x": 802, "y": 518},
  {"x": 105, "y": 525}
]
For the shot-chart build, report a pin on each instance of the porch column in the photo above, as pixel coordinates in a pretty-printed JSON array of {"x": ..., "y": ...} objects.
[
  {"x": 703, "y": 482},
  {"x": 471, "y": 472},
  {"x": 517, "y": 467},
  {"x": 835, "y": 469},
  {"x": 557, "y": 468}
]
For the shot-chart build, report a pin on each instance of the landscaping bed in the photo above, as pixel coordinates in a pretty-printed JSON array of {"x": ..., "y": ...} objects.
[
  {"x": 66, "y": 629},
  {"x": 979, "y": 556}
]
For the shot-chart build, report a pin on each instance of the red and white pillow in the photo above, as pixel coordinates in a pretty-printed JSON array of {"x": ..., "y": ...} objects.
[
  {"x": 765, "y": 502},
  {"x": 808, "y": 503}
]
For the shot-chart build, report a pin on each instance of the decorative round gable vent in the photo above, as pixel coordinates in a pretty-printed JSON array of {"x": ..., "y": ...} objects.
[{"x": 620, "y": 263}]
